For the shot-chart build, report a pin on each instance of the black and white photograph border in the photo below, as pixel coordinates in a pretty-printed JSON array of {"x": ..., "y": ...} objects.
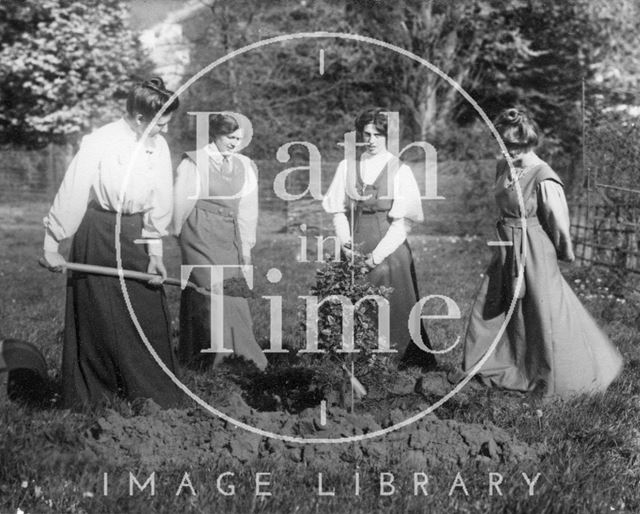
[{"x": 313, "y": 255}]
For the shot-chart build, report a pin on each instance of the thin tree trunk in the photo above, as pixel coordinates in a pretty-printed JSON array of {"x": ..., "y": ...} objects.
[
  {"x": 427, "y": 108},
  {"x": 225, "y": 34}
]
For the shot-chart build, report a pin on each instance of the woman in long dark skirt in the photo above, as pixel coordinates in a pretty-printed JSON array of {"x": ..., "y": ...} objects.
[
  {"x": 379, "y": 227},
  {"x": 116, "y": 171}
]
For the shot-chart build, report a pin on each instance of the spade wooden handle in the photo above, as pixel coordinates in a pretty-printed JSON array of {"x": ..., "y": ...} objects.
[{"x": 112, "y": 272}]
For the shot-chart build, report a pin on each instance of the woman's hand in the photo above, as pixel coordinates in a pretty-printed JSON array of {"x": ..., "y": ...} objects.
[
  {"x": 349, "y": 252},
  {"x": 369, "y": 262},
  {"x": 247, "y": 273},
  {"x": 156, "y": 267},
  {"x": 53, "y": 261}
]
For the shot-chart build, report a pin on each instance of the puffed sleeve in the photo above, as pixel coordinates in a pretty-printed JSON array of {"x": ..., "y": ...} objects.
[
  {"x": 553, "y": 212},
  {"x": 335, "y": 203},
  {"x": 157, "y": 219},
  {"x": 393, "y": 238},
  {"x": 185, "y": 190},
  {"x": 405, "y": 210},
  {"x": 406, "y": 196},
  {"x": 335, "y": 199},
  {"x": 248, "y": 208},
  {"x": 70, "y": 203}
]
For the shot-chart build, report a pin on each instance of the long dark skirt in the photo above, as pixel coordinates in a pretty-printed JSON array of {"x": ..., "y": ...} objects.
[
  {"x": 104, "y": 356},
  {"x": 396, "y": 271}
]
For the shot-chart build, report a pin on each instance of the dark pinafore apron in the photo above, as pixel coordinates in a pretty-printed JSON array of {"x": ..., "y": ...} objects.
[
  {"x": 550, "y": 344},
  {"x": 210, "y": 236},
  {"x": 370, "y": 224}
]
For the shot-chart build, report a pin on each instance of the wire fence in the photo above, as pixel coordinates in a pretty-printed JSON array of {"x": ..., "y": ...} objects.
[
  {"x": 33, "y": 172},
  {"x": 606, "y": 216}
]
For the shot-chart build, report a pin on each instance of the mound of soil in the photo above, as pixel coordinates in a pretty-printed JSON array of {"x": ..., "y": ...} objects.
[{"x": 192, "y": 437}]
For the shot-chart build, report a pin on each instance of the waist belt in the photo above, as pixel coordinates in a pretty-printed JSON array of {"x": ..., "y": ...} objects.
[
  {"x": 95, "y": 206},
  {"x": 215, "y": 208},
  {"x": 518, "y": 222},
  {"x": 512, "y": 257}
]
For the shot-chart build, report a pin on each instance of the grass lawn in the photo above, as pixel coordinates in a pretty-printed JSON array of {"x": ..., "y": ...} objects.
[{"x": 589, "y": 448}]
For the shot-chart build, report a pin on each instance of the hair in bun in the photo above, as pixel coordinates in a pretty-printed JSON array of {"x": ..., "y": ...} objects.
[
  {"x": 148, "y": 97},
  {"x": 512, "y": 115},
  {"x": 517, "y": 128},
  {"x": 154, "y": 82}
]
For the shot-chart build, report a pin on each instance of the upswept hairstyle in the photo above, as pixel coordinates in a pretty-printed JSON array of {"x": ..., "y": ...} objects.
[
  {"x": 376, "y": 116},
  {"x": 222, "y": 125},
  {"x": 517, "y": 128},
  {"x": 148, "y": 97}
]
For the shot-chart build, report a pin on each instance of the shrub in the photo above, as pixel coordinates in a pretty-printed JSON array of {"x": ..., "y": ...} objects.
[{"x": 348, "y": 279}]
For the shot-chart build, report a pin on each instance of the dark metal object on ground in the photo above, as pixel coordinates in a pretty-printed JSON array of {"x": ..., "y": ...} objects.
[{"x": 26, "y": 370}]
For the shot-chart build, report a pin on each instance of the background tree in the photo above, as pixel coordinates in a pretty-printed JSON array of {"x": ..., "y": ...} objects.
[
  {"x": 467, "y": 40},
  {"x": 279, "y": 86},
  {"x": 615, "y": 48},
  {"x": 535, "y": 52},
  {"x": 63, "y": 64}
]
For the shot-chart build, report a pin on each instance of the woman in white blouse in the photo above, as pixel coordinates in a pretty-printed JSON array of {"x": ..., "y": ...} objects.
[
  {"x": 116, "y": 170},
  {"x": 551, "y": 345},
  {"x": 378, "y": 225},
  {"x": 215, "y": 219}
]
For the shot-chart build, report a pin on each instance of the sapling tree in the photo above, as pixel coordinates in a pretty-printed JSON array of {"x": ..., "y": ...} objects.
[{"x": 348, "y": 278}]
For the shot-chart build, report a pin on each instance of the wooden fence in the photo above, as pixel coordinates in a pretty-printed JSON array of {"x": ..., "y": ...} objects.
[
  {"x": 607, "y": 235},
  {"x": 606, "y": 221}
]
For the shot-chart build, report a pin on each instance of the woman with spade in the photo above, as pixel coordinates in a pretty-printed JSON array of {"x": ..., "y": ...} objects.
[{"x": 117, "y": 195}]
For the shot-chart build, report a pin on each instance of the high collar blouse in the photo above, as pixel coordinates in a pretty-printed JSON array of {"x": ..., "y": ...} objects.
[
  {"x": 192, "y": 184},
  {"x": 406, "y": 195},
  {"x": 118, "y": 173}
]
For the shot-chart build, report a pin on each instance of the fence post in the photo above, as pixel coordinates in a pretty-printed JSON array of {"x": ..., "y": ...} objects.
[
  {"x": 51, "y": 171},
  {"x": 585, "y": 167}
]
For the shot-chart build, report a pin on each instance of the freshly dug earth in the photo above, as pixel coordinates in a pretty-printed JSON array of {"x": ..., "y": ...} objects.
[{"x": 191, "y": 437}]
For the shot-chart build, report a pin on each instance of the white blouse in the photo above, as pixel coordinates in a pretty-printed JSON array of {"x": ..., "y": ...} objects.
[
  {"x": 189, "y": 187},
  {"x": 97, "y": 174},
  {"x": 406, "y": 206}
]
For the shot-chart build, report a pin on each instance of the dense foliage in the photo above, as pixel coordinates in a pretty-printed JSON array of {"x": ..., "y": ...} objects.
[
  {"x": 349, "y": 279},
  {"x": 62, "y": 62},
  {"x": 534, "y": 52}
]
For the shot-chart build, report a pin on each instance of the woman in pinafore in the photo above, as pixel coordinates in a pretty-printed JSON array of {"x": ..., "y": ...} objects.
[
  {"x": 215, "y": 218},
  {"x": 551, "y": 345},
  {"x": 380, "y": 228}
]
